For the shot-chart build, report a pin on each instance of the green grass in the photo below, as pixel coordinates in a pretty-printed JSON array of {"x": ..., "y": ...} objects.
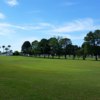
[{"x": 25, "y": 78}]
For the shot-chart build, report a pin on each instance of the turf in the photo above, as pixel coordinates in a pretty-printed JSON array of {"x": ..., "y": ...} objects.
[{"x": 27, "y": 78}]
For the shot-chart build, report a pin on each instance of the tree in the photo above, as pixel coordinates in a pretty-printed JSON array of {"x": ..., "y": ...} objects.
[
  {"x": 44, "y": 46},
  {"x": 9, "y": 47},
  {"x": 26, "y": 48},
  {"x": 53, "y": 43},
  {"x": 35, "y": 49},
  {"x": 74, "y": 50},
  {"x": 93, "y": 38},
  {"x": 16, "y": 53},
  {"x": 59, "y": 47},
  {"x": 65, "y": 43},
  {"x": 6, "y": 50},
  {"x": 3, "y": 48},
  {"x": 86, "y": 49},
  {"x": 0, "y": 51}
]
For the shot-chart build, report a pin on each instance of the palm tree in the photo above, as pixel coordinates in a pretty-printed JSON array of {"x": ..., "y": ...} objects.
[
  {"x": 0, "y": 51},
  {"x": 3, "y": 48},
  {"x": 6, "y": 50},
  {"x": 9, "y": 47}
]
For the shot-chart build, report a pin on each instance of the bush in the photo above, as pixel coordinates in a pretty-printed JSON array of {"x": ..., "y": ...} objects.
[{"x": 16, "y": 53}]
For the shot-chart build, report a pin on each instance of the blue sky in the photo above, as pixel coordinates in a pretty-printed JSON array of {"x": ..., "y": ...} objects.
[{"x": 22, "y": 20}]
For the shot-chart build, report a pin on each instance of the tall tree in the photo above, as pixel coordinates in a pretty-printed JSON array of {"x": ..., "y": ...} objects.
[
  {"x": 44, "y": 46},
  {"x": 0, "y": 51},
  {"x": 93, "y": 38},
  {"x": 65, "y": 42},
  {"x": 26, "y": 48},
  {"x": 35, "y": 49},
  {"x": 9, "y": 46},
  {"x": 59, "y": 47},
  {"x": 86, "y": 50},
  {"x": 3, "y": 48},
  {"x": 75, "y": 48},
  {"x": 53, "y": 43},
  {"x": 6, "y": 50}
]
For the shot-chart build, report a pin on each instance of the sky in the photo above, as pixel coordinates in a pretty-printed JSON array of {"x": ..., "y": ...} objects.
[{"x": 29, "y": 20}]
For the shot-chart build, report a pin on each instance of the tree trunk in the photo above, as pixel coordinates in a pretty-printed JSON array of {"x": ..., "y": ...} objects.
[
  {"x": 65, "y": 56},
  {"x": 52, "y": 56},
  {"x": 96, "y": 58},
  {"x": 74, "y": 56},
  {"x": 44, "y": 55},
  {"x": 84, "y": 57}
]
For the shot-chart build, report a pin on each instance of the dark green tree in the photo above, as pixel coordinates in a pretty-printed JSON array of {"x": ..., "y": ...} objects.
[
  {"x": 93, "y": 38},
  {"x": 16, "y": 53},
  {"x": 26, "y": 48},
  {"x": 44, "y": 46},
  {"x": 74, "y": 50},
  {"x": 53, "y": 43},
  {"x": 65, "y": 43},
  {"x": 86, "y": 50},
  {"x": 35, "y": 48}
]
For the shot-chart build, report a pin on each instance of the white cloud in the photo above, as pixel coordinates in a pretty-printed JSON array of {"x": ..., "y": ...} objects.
[
  {"x": 75, "y": 30},
  {"x": 36, "y": 27},
  {"x": 12, "y": 2},
  {"x": 68, "y": 35},
  {"x": 68, "y": 3},
  {"x": 77, "y": 25},
  {"x": 2, "y": 16},
  {"x": 81, "y": 25},
  {"x": 46, "y": 25},
  {"x": 5, "y": 29}
]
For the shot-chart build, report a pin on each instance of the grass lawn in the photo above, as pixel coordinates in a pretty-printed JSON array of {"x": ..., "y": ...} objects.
[{"x": 26, "y": 78}]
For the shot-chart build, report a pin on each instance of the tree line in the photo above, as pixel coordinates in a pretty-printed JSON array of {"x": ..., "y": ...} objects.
[{"x": 58, "y": 47}]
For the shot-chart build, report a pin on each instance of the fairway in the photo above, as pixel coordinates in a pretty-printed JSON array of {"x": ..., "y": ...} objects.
[{"x": 27, "y": 78}]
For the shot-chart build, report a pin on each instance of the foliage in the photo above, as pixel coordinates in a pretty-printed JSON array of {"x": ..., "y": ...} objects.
[
  {"x": 57, "y": 47},
  {"x": 93, "y": 39},
  {"x": 16, "y": 53},
  {"x": 26, "y": 47}
]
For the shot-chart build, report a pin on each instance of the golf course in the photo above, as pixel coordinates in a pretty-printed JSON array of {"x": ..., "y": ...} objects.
[{"x": 28, "y": 78}]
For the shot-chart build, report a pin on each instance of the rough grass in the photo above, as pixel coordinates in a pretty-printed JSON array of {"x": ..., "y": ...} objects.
[{"x": 25, "y": 78}]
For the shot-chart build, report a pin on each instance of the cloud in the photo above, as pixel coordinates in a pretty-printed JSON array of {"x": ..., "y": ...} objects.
[
  {"x": 5, "y": 29},
  {"x": 36, "y": 27},
  {"x": 75, "y": 30},
  {"x": 77, "y": 25},
  {"x": 68, "y": 3},
  {"x": 45, "y": 24},
  {"x": 12, "y": 3},
  {"x": 8, "y": 28},
  {"x": 68, "y": 35},
  {"x": 2, "y": 16}
]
